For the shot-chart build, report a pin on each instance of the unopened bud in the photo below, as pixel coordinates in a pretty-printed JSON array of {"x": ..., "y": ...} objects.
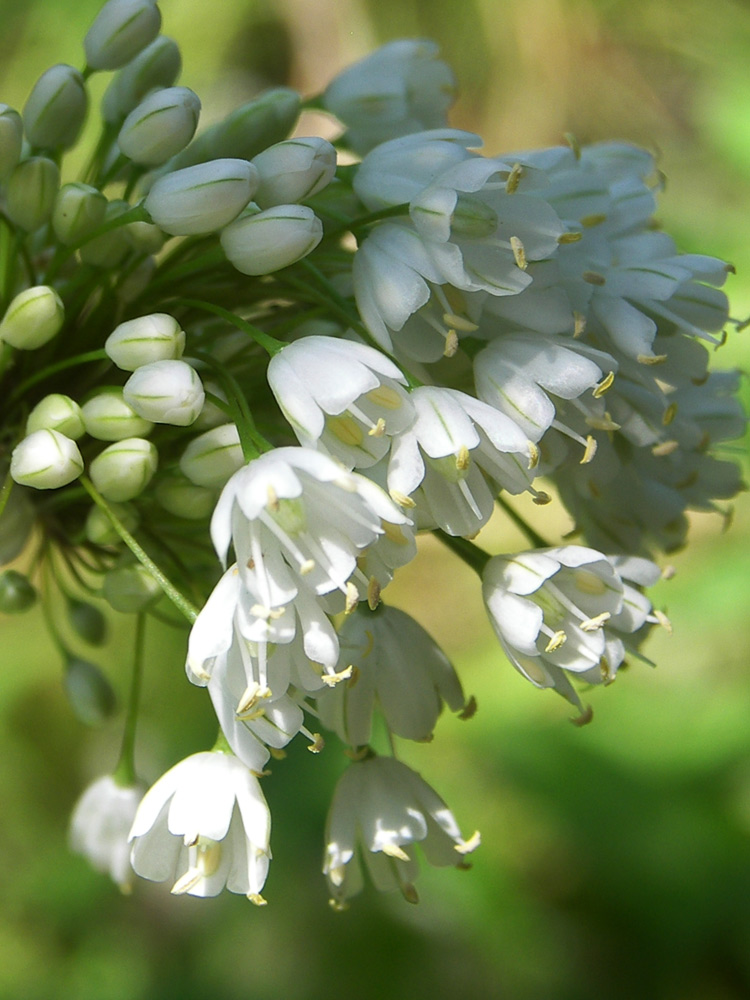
[
  {"x": 109, "y": 249},
  {"x": 123, "y": 470},
  {"x": 203, "y": 198},
  {"x": 109, "y": 417},
  {"x": 57, "y": 412},
  {"x": 294, "y": 170},
  {"x": 270, "y": 240},
  {"x": 121, "y": 30},
  {"x": 158, "y": 65},
  {"x": 130, "y": 588},
  {"x": 145, "y": 237},
  {"x": 91, "y": 696},
  {"x": 16, "y": 593},
  {"x": 161, "y": 125},
  {"x": 54, "y": 113},
  {"x": 79, "y": 210},
  {"x": 11, "y": 140},
  {"x": 182, "y": 498},
  {"x": 46, "y": 460},
  {"x": 34, "y": 316},
  {"x": 98, "y": 528},
  {"x": 16, "y": 521},
  {"x": 30, "y": 192},
  {"x": 166, "y": 392},
  {"x": 87, "y": 621},
  {"x": 141, "y": 341},
  {"x": 247, "y": 130},
  {"x": 211, "y": 459}
]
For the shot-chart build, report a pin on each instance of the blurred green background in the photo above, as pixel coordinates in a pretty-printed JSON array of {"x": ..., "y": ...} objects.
[{"x": 615, "y": 860}]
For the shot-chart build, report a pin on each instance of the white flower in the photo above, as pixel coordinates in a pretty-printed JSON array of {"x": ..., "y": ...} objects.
[
  {"x": 396, "y": 664},
  {"x": 383, "y": 808},
  {"x": 343, "y": 394},
  {"x": 294, "y": 170},
  {"x": 562, "y": 610},
  {"x": 204, "y": 825},
  {"x": 99, "y": 827}
]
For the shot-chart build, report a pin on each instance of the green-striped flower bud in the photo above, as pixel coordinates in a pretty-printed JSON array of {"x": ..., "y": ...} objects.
[
  {"x": 294, "y": 170},
  {"x": 11, "y": 140},
  {"x": 203, "y": 198},
  {"x": 57, "y": 412},
  {"x": 182, "y": 498},
  {"x": 54, "y": 113},
  {"x": 46, "y": 460},
  {"x": 87, "y": 621},
  {"x": 111, "y": 248},
  {"x": 16, "y": 593},
  {"x": 211, "y": 459},
  {"x": 130, "y": 588},
  {"x": 90, "y": 694},
  {"x": 79, "y": 210},
  {"x": 121, "y": 30},
  {"x": 34, "y": 316},
  {"x": 98, "y": 528},
  {"x": 31, "y": 191},
  {"x": 161, "y": 125},
  {"x": 141, "y": 341},
  {"x": 158, "y": 65},
  {"x": 124, "y": 469},
  {"x": 166, "y": 392},
  {"x": 145, "y": 237},
  {"x": 109, "y": 417},
  {"x": 247, "y": 130},
  {"x": 267, "y": 241}
]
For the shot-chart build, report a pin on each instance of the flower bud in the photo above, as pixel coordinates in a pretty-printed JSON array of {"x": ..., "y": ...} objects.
[
  {"x": 98, "y": 528},
  {"x": 141, "y": 341},
  {"x": 91, "y": 696},
  {"x": 34, "y": 316},
  {"x": 130, "y": 588},
  {"x": 145, "y": 237},
  {"x": 211, "y": 415},
  {"x": 54, "y": 113},
  {"x": 109, "y": 417},
  {"x": 79, "y": 210},
  {"x": 161, "y": 125},
  {"x": 166, "y": 392},
  {"x": 57, "y": 412},
  {"x": 247, "y": 130},
  {"x": 121, "y": 30},
  {"x": 182, "y": 498},
  {"x": 16, "y": 593},
  {"x": 46, "y": 460},
  {"x": 293, "y": 170},
  {"x": 11, "y": 140},
  {"x": 30, "y": 192},
  {"x": 210, "y": 460},
  {"x": 267, "y": 241},
  {"x": 87, "y": 621},
  {"x": 111, "y": 248},
  {"x": 158, "y": 65},
  {"x": 203, "y": 198},
  {"x": 124, "y": 469}
]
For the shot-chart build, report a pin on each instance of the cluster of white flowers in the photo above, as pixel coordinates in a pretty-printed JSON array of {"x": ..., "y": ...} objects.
[{"x": 505, "y": 325}]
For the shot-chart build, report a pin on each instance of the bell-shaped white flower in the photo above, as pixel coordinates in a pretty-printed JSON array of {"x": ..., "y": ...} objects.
[
  {"x": 454, "y": 443},
  {"x": 46, "y": 460},
  {"x": 204, "y": 825},
  {"x": 400, "y": 88},
  {"x": 380, "y": 809},
  {"x": 343, "y": 394},
  {"x": 565, "y": 610},
  {"x": 294, "y": 170},
  {"x": 203, "y": 198},
  {"x": 394, "y": 664},
  {"x": 100, "y": 824},
  {"x": 165, "y": 392}
]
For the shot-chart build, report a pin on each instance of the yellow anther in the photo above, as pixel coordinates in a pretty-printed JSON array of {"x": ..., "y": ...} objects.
[
  {"x": 338, "y": 905},
  {"x": 669, "y": 414},
  {"x": 402, "y": 499},
  {"x": 409, "y": 893},
  {"x": 451, "y": 344},
  {"x": 533, "y": 455},
  {"x": 278, "y": 754},
  {"x": 356, "y": 674},
  {"x": 665, "y": 448},
  {"x": 651, "y": 359},
  {"x": 515, "y": 175},
  {"x": 352, "y": 598},
  {"x": 668, "y": 572},
  {"x": 256, "y": 899},
  {"x": 333, "y": 679},
  {"x": 463, "y": 458},
  {"x": 467, "y": 846},
  {"x": 373, "y": 593},
  {"x": 592, "y": 624},
  {"x": 317, "y": 744},
  {"x": 590, "y": 451},
  {"x": 273, "y": 500},
  {"x": 573, "y": 143},
  {"x": 378, "y": 430},
  {"x": 604, "y": 385},
  {"x": 594, "y": 278},
  {"x": 665, "y": 623},
  {"x": 252, "y": 695},
  {"x": 579, "y": 324},
  {"x": 306, "y": 567},
  {"x": 556, "y": 641},
  {"x": 519, "y": 253},
  {"x": 395, "y": 851},
  {"x": 469, "y": 710},
  {"x": 584, "y": 718},
  {"x": 596, "y": 219},
  {"x": 572, "y": 237},
  {"x": 541, "y": 499},
  {"x": 603, "y": 423}
]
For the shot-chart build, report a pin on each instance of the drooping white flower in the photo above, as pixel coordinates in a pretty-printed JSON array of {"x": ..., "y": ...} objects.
[
  {"x": 395, "y": 664},
  {"x": 343, "y": 394},
  {"x": 564, "y": 610},
  {"x": 380, "y": 809},
  {"x": 204, "y": 825},
  {"x": 100, "y": 824}
]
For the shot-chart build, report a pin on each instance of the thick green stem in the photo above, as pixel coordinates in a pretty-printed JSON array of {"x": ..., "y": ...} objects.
[
  {"x": 178, "y": 599},
  {"x": 471, "y": 554}
]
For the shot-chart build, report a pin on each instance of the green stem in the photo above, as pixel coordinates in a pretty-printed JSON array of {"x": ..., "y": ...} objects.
[
  {"x": 5, "y": 491},
  {"x": 367, "y": 220},
  {"x": 179, "y": 600},
  {"x": 533, "y": 536},
  {"x": 125, "y": 773},
  {"x": 264, "y": 340},
  {"x": 471, "y": 554},
  {"x": 251, "y": 439},
  {"x": 58, "y": 366}
]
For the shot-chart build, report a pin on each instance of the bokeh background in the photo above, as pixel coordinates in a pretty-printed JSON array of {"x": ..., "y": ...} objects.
[{"x": 616, "y": 858}]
